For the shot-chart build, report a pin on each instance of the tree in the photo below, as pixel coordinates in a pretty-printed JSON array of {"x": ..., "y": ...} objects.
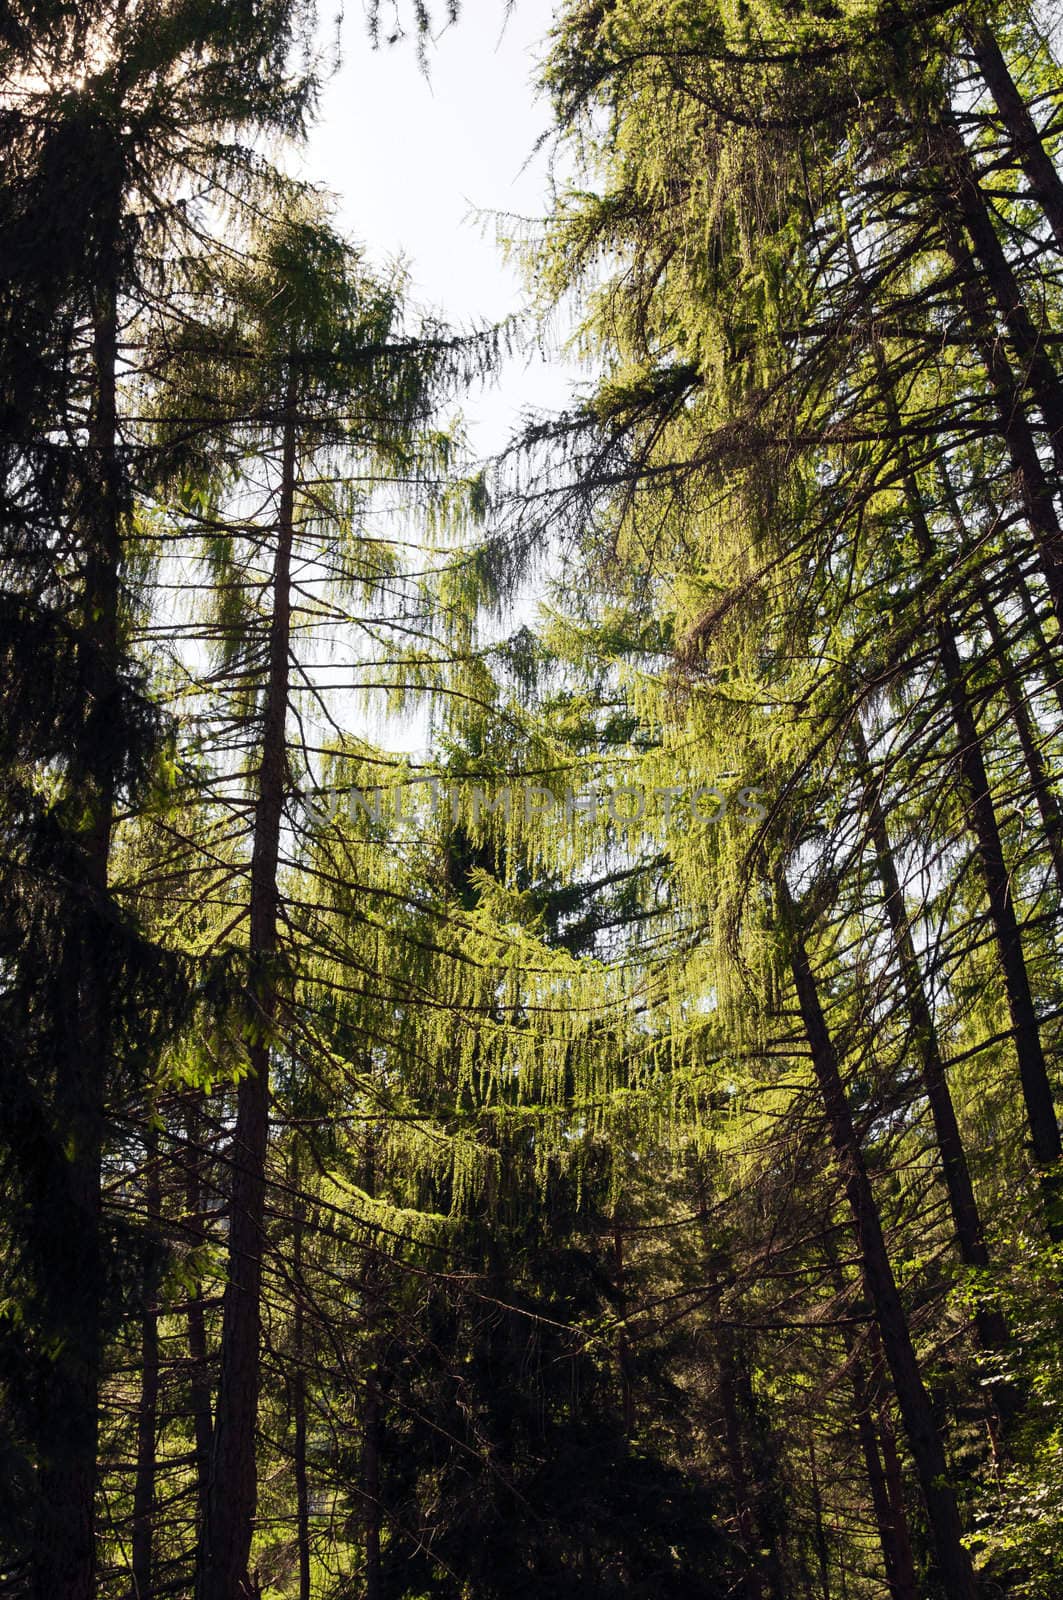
[
  {"x": 307, "y": 373},
  {"x": 96, "y": 193}
]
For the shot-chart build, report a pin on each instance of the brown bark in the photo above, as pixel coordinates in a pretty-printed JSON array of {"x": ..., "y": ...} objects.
[
  {"x": 891, "y": 1521},
  {"x": 1034, "y": 490},
  {"x": 1026, "y": 1034},
  {"x": 734, "y": 1444},
  {"x": 225, "y": 1545},
  {"x": 990, "y": 1327},
  {"x": 818, "y": 1529},
  {"x": 70, "y": 1247},
  {"x": 623, "y": 1349},
  {"x": 953, "y": 1562},
  {"x": 892, "y": 1472},
  {"x": 1036, "y": 364},
  {"x": 199, "y": 1376},
  {"x": 1045, "y": 183},
  {"x": 1047, "y": 805},
  {"x": 763, "y": 1473},
  {"x": 759, "y": 1541},
  {"x": 736, "y": 1469},
  {"x": 1044, "y": 795},
  {"x": 1045, "y": 653},
  {"x": 148, "y": 1409},
  {"x": 894, "y": 1541},
  {"x": 302, "y": 1481},
  {"x": 371, "y": 1487},
  {"x": 970, "y": 1235}
]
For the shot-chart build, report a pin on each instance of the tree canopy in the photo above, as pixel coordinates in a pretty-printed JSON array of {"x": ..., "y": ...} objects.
[{"x": 597, "y": 1132}]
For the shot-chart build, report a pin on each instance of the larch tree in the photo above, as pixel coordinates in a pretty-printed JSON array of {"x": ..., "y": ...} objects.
[{"x": 114, "y": 123}]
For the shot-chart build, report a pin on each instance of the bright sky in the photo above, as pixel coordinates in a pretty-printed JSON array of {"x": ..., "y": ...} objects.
[
  {"x": 420, "y": 164},
  {"x": 416, "y": 160}
]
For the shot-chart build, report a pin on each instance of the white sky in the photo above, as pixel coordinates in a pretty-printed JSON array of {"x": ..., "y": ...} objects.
[
  {"x": 413, "y": 159},
  {"x": 420, "y": 164}
]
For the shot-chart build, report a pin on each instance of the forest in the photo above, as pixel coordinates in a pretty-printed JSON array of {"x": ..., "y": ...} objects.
[{"x": 530, "y": 988}]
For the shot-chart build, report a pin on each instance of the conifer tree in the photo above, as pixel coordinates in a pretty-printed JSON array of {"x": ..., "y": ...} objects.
[{"x": 110, "y": 121}]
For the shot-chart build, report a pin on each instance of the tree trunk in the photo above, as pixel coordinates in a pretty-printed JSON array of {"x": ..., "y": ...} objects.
[
  {"x": 199, "y": 1377},
  {"x": 222, "y": 1570},
  {"x": 1034, "y": 490},
  {"x": 763, "y": 1471},
  {"x": 894, "y": 1541},
  {"x": 1026, "y": 1034},
  {"x": 1037, "y": 366},
  {"x": 302, "y": 1483},
  {"x": 818, "y": 1528},
  {"x": 1044, "y": 795},
  {"x": 1045, "y": 654},
  {"x": 372, "y": 1410},
  {"x": 371, "y": 1487},
  {"x": 69, "y": 1242},
  {"x": 970, "y": 1236},
  {"x": 148, "y": 1411},
  {"x": 894, "y": 1477},
  {"x": 1046, "y": 186},
  {"x": 891, "y": 1521},
  {"x": 734, "y": 1450},
  {"x": 1047, "y": 805},
  {"x": 953, "y": 1561},
  {"x": 736, "y": 1468},
  {"x": 746, "y": 1468},
  {"x": 990, "y": 1326},
  {"x": 623, "y": 1349}
]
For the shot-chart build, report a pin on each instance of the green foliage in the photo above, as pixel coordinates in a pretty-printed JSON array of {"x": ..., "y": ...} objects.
[{"x": 563, "y": 1282}]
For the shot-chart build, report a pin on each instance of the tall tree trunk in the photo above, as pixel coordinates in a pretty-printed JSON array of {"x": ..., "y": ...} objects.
[
  {"x": 818, "y": 1528},
  {"x": 736, "y": 1469},
  {"x": 199, "y": 1385},
  {"x": 1033, "y": 1071},
  {"x": 623, "y": 1348},
  {"x": 763, "y": 1471},
  {"x": 759, "y": 1540},
  {"x": 148, "y": 1409},
  {"x": 990, "y": 1326},
  {"x": 887, "y": 1432},
  {"x": 1046, "y": 186},
  {"x": 953, "y": 1561},
  {"x": 1015, "y": 429},
  {"x": 891, "y": 1521},
  {"x": 372, "y": 1409},
  {"x": 1047, "y": 804},
  {"x": 302, "y": 1483},
  {"x": 897, "y": 1558},
  {"x": 1044, "y": 795},
  {"x": 374, "y": 1589},
  {"x": 1026, "y": 1034},
  {"x": 1045, "y": 654},
  {"x": 733, "y": 1442},
  {"x": 225, "y": 1547},
  {"x": 70, "y": 1240},
  {"x": 1036, "y": 364},
  {"x": 970, "y": 1235},
  {"x": 892, "y": 1471}
]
